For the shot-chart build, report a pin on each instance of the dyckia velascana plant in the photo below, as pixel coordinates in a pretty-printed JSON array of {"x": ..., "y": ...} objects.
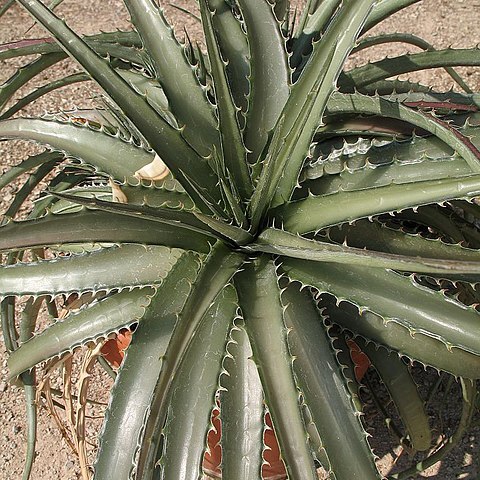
[{"x": 245, "y": 208}]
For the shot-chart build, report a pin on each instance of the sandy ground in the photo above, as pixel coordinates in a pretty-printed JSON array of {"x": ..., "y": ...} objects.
[{"x": 441, "y": 22}]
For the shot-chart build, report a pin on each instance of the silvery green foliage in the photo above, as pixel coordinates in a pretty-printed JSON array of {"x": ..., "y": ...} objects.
[{"x": 247, "y": 210}]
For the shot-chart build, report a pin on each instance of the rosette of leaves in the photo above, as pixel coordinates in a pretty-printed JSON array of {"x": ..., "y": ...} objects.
[{"x": 246, "y": 207}]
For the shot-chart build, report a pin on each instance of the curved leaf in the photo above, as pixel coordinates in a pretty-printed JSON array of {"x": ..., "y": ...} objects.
[
  {"x": 470, "y": 396},
  {"x": 96, "y": 226},
  {"x": 242, "y": 410},
  {"x": 322, "y": 383},
  {"x": 46, "y": 60},
  {"x": 374, "y": 163},
  {"x": 279, "y": 242},
  {"x": 177, "y": 77},
  {"x": 118, "y": 267},
  {"x": 383, "y": 9},
  {"x": 25, "y": 74},
  {"x": 362, "y": 104},
  {"x": 259, "y": 295},
  {"x": 193, "y": 391},
  {"x": 94, "y": 147},
  {"x": 410, "y": 40},
  {"x": 25, "y": 191},
  {"x": 6, "y": 6},
  {"x": 217, "y": 270},
  {"x": 135, "y": 384},
  {"x": 404, "y": 393},
  {"x": 30, "y": 163},
  {"x": 90, "y": 324},
  {"x": 315, "y": 213},
  {"x": 167, "y": 141},
  {"x": 416, "y": 315},
  {"x": 42, "y": 46},
  {"x": 390, "y": 67},
  {"x": 43, "y": 90},
  {"x": 269, "y": 73}
]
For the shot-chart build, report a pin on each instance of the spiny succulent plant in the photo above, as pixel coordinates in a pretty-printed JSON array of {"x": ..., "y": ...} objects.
[{"x": 245, "y": 208}]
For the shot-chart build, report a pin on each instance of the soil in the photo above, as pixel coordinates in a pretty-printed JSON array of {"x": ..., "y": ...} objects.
[{"x": 441, "y": 22}]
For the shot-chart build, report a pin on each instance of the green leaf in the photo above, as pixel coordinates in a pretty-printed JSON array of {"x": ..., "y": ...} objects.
[
  {"x": 42, "y": 46},
  {"x": 411, "y": 40},
  {"x": 155, "y": 196},
  {"x": 169, "y": 216},
  {"x": 310, "y": 6},
  {"x": 396, "y": 376},
  {"x": 91, "y": 324},
  {"x": 116, "y": 45},
  {"x": 233, "y": 201},
  {"x": 304, "y": 108},
  {"x": 269, "y": 73},
  {"x": 236, "y": 234},
  {"x": 470, "y": 399},
  {"x": 315, "y": 213},
  {"x": 25, "y": 74},
  {"x": 52, "y": 54},
  {"x": 43, "y": 90},
  {"x": 7, "y": 318},
  {"x": 27, "y": 326},
  {"x": 29, "y": 386},
  {"x": 30, "y": 163},
  {"x": 281, "y": 9},
  {"x": 217, "y": 270},
  {"x": 376, "y": 163},
  {"x": 193, "y": 391},
  {"x": 279, "y": 242},
  {"x": 95, "y": 226},
  {"x": 6, "y": 6},
  {"x": 323, "y": 385},
  {"x": 233, "y": 149},
  {"x": 439, "y": 220},
  {"x": 93, "y": 147},
  {"x": 390, "y": 67},
  {"x": 312, "y": 25},
  {"x": 242, "y": 410},
  {"x": 167, "y": 141},
  {"x": 176, "y": 76},
  {"x": 374, "y": 236},
  {"x": 135, "y": 384},
  {"x": 361, "y": 104},
  {"x": 24, "y": 192},
  {"x": 384, "y": 9},
  {"x": 69, "y": 178},
  {"x": 118, "y": 267},
  {"x": 234, "y": 48},
  {"x": 153, "y": 93},
  {"x": 414, "y": 320},
  {"x": 259, "y": 295}
]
